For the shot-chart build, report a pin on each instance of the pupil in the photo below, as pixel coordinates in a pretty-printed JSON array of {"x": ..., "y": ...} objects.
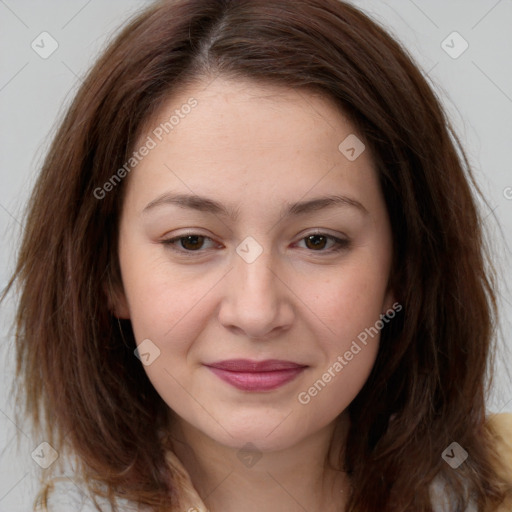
[
  {"x": 316, "y": 245},
  {"x": 192, "y": 240},
  {"x": 313, "y": 241}
]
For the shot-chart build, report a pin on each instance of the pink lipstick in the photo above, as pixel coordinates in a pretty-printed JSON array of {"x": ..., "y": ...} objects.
[{"x": 250, "y": 375}]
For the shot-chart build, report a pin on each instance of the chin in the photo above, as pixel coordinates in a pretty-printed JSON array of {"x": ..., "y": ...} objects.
[
  {"x": 267, "y": 432},
  {"x": 260, "y": 441}
]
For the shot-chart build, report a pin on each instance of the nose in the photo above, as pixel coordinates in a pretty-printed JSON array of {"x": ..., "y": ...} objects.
[{"x": 256, "y": 302}]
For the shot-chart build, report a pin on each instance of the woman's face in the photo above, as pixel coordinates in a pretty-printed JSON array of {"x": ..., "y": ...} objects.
[{"x": 280, "y": 255}]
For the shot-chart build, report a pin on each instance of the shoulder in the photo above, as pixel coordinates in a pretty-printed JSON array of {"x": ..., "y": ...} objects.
[
  {"x": 501, "y": 424},
  {"x": 500, "y": 427},
  {"x": 68, "y": 493}
]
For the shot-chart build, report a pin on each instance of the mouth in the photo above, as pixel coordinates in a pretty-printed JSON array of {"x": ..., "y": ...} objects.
[{"x": 248, "y": 375}]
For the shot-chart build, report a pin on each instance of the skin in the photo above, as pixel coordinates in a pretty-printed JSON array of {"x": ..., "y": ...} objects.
[{"x": 255, "y": 148}]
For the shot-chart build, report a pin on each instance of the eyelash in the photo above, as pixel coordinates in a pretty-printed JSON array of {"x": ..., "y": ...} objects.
[{"x": 340, "y": 243}]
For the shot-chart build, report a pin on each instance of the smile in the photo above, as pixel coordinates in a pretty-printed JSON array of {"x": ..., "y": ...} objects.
[{"x": 256, "y": 376}]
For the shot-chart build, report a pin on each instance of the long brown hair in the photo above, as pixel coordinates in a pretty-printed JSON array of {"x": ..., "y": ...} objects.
[{"x": 77, "y": 375}]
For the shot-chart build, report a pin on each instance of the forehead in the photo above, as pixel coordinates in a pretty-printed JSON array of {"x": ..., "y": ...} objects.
[
  {"x": 271, "y": 116},
  {"x": 227, "y": 138}
]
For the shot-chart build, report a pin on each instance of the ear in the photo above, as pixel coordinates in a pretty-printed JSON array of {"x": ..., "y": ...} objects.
[
  {"x": 389, "y": 300},
  {"x": 117, "y": 303}
]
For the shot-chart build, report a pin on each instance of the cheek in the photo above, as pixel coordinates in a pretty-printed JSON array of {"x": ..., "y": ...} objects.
[
  {"x": 330, "y": 391},
  {"x": 350, "y": 306},
  {"x": 166, "y": 312},
  {"x": 161, "y": 300},
  {"x": 351, "y": 300}
]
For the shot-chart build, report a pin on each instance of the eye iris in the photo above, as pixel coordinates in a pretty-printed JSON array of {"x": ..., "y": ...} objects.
[
  {"x": 316, "y": 245},
  {"x": 193, "y": 240}
]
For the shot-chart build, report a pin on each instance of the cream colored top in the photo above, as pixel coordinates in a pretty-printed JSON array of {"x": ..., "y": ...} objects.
[
  {"x": 70, "y": 499},
  {"x": 500, "y": 423}
]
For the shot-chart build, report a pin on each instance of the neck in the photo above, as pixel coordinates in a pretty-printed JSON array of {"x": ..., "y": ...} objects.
[{"x": 302, "y": 477}]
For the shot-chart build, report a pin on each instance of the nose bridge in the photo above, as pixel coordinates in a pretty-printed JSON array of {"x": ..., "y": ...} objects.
[
  {"x": 253, "y": 262},
  {"x": 254, "y": 299},
  {"x": 255, "y": 275}
]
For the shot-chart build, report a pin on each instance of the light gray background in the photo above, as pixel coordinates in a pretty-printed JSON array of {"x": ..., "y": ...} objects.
[{"x": 476, "y": 89}]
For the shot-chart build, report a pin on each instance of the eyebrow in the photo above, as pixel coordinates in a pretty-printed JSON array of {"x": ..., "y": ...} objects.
[{"x": 207, "y": 205}]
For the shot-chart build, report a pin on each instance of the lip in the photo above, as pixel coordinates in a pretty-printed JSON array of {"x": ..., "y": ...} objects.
[{"x": 248, "y": 375}]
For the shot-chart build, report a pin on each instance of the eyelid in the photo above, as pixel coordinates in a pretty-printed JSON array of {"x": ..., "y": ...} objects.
[
  {"x": 171, "y": 243},
  {"x": 340, "y": 242}
]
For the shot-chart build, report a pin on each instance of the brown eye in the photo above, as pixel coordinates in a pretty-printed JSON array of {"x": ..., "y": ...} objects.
[
  {"x": 192, "y": 242},
  {"x": 323, "y": 243},
  {"x": 316, "y": 241},
  {"x": 188, "y": 244}
]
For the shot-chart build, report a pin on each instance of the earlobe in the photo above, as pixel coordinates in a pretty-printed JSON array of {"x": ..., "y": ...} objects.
[
  {"x": 117, "y": 303},
  {"x": 392, "y": 298},
  {"x": 120, "y": 309},
  {"x": 389, "y": 301}
]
